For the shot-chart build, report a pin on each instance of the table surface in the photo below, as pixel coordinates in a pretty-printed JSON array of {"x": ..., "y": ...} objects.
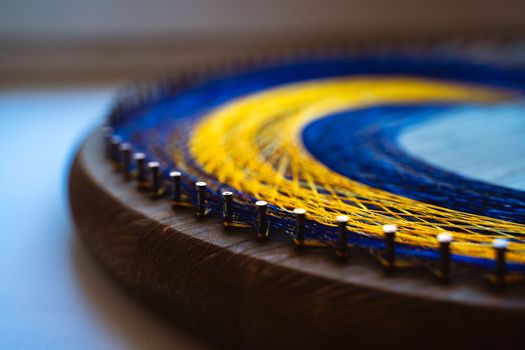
[{"x": 53, "y": 294}]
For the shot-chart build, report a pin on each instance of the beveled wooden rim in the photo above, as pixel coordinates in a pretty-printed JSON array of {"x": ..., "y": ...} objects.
[{"x": 239, "y": 292}]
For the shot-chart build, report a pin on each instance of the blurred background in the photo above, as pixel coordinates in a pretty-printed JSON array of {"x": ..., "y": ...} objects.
[
  {"x": 108, "y": 40},
  {"x": 60, "y": 61}
]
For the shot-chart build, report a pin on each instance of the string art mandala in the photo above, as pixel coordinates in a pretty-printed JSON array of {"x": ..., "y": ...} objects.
[{"x": 342, "y": 141}]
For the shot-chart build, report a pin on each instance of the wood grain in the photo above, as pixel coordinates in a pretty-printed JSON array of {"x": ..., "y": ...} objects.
[{"x": 241, "y": 293}]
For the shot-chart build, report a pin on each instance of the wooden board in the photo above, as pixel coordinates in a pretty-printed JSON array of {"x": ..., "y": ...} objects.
[{"x": 239, "y": 292}]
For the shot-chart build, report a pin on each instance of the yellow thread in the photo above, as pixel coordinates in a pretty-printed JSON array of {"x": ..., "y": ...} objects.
[{"x": 258, "y": 138}]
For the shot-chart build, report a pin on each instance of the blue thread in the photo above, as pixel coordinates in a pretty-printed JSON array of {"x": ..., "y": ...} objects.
[
  {"x": 149, "y": 126},
  {"x": 362, "y": 145}
]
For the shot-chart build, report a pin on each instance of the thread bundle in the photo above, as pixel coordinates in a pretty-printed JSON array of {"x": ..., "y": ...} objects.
[{"x": 277, "y": 134}]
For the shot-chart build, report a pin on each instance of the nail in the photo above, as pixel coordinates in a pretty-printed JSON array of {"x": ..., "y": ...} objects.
[
  {"x": 125, "y": 150},
  {"x": 500, "y": 246},
  {"x": 262, "y": 220},
  {"x": 227, "y": 212},
  {"x": 115, "y": 150},
  {"x": 342, "y": 246},
  {"x": 300, "y": 215},
  {"x": 201, "y": 199},
  {"x": 175, "y": 186},
  {"x": 140, "y": 162},
  {"x": 444, "y": 239},
  {"x": 107, "y": 132},
  {"x": 154, "y": 170},
  {"x": 390, "y": 249}
]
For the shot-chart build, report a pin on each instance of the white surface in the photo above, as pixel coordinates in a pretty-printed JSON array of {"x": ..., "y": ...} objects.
[
  {"x": 482, "y": 143},
  {"x": 52, "y": 294}
]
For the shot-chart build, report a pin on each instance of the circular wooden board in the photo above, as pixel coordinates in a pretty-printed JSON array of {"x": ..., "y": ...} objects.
[{"x": 239, "y": 292}]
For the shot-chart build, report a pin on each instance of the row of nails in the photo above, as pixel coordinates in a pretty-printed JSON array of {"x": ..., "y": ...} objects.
[{"x": 121, "y": 156}]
